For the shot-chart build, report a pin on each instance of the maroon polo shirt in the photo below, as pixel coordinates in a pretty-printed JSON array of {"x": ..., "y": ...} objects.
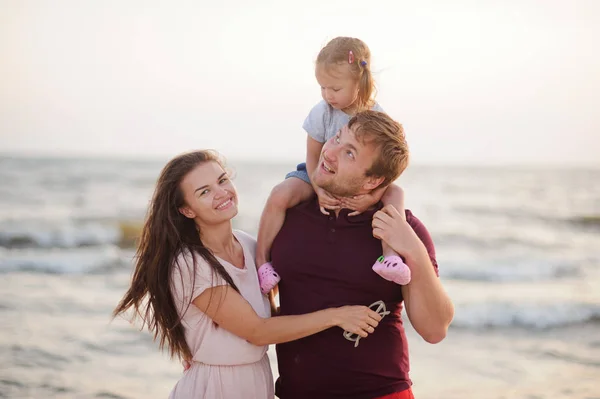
[{"x": 326, "y": 262}]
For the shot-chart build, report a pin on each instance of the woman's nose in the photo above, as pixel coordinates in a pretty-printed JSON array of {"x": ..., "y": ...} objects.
[{"x": 220, "y": 192}]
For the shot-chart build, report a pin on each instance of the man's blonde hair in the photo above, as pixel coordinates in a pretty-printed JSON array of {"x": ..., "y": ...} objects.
[{"x": 387, "y": 135}]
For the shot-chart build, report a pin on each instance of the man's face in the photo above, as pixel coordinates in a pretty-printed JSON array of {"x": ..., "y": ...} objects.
[{"x": 343, "y": 164}]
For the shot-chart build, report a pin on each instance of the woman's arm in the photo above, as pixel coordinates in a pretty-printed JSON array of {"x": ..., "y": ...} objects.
[{"x": 231, "y": 311}]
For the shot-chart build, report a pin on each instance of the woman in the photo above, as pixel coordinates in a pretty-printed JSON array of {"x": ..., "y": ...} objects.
[{"x": 195, "y": 286}]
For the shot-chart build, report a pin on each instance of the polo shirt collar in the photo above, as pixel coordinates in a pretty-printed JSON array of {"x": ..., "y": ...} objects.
[{"x": 343, "y": 217}]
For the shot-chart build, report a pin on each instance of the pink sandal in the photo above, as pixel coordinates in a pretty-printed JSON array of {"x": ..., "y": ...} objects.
[
  {"x": 392, "y": 268},
  {"x": 267, "y": 278}
]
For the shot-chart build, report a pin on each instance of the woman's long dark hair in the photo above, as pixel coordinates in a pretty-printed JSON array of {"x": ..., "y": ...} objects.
[{"x": 165, "y": 235}]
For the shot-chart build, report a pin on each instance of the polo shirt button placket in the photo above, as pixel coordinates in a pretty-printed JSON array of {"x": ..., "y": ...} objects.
[{"x": 331, "y": 228}]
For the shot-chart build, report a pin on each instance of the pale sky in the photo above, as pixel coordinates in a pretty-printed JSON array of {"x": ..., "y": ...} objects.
[{"x": 471, "y": 81}]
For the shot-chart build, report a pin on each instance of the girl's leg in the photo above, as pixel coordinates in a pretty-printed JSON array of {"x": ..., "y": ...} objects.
[
  {"x": 285, "y": 195},
  {"x": 391, "y": 266}
]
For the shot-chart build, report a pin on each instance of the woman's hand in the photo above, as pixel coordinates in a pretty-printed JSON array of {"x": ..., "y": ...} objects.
[
  {"x": 390, "y": 227},
  {"x": 326, "y": 200},
  {"x": 358, "y": 320}
]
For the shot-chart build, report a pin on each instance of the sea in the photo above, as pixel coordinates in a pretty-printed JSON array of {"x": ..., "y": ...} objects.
[{"x": 518, "y": 251}]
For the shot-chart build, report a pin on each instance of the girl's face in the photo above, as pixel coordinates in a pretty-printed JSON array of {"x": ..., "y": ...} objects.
[
  {"x": 338, "y": 87},
  {"x": 210, "y": 197}
]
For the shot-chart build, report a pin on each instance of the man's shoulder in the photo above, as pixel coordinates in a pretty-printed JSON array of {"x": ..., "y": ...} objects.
[
  {"x": 414, "y": 222},
  {"x": 412, "y": 219},
  {"x": 423, "y": 234}
]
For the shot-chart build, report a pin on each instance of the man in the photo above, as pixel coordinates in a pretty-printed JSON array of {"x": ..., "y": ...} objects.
[{"x": 326, "y": 261}]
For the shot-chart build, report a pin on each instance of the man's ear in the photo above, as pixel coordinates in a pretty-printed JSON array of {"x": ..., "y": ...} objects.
[
  {"x": 187, "y": 212},
  {"x": 373, "y": 182}
]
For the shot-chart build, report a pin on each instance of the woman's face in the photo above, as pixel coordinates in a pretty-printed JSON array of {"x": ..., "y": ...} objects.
[{"x": 209, "y": 196}]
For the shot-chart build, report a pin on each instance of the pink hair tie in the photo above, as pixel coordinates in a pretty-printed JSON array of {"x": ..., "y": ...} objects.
[{"x": 350, "y": 57}]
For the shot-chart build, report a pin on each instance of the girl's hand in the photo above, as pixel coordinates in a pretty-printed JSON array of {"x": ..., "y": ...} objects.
[
  {"x": 326, "y": 200},
  {"x": 358, "y": 320},
  {"x": 360, "y": 203},
  {"x": 390, "y": 227}
]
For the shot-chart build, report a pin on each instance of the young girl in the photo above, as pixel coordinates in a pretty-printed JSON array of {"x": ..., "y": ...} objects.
[{"x": 347, "y": 87}]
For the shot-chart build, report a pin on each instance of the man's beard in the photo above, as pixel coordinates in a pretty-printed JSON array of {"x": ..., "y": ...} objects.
[{"x": 348, "y": 188}]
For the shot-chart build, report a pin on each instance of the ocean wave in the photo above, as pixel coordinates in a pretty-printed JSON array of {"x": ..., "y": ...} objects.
[
  {"x": 512, "y": 213},
  {"x": 536, "y": 316},
  {"x": 572, "y": 358},
  {"x": 513, "y": 270},
  {"x": 68, "y": 234},
  {"x": 484, "y": 242},
  {"x": 583, "y": 220},
  {"x": 586, "y": 221},
  {"x": 59, "y": 261}
]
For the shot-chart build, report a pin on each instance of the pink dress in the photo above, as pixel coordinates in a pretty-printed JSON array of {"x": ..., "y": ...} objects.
[{"x": 225, "y": 365}]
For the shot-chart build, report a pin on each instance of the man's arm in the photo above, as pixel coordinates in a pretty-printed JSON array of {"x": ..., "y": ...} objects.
[{"x": 428, "y": 306}]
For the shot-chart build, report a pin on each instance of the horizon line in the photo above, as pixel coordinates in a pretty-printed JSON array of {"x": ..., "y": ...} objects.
[{"x": 277, "y": 161}]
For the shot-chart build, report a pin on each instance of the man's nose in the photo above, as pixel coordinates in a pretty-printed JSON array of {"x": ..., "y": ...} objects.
[
  {"x": 329, "y": 154},
  {"x": 329, "y": 148}
]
